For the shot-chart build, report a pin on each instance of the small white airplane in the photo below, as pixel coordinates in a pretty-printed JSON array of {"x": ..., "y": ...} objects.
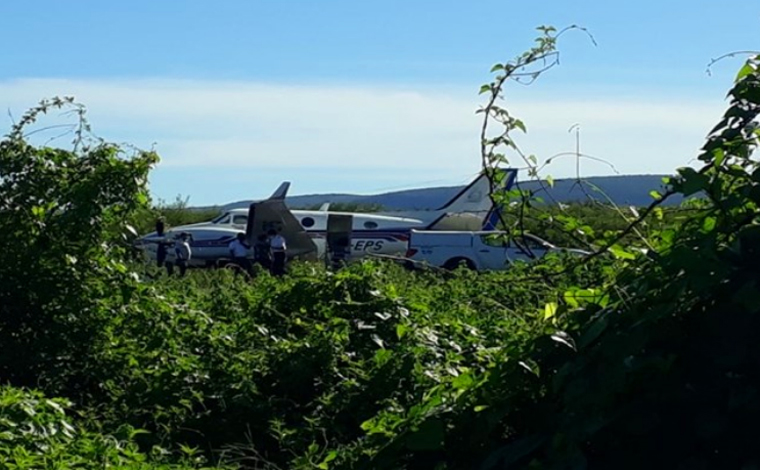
[{"x": 306, "y": 231}]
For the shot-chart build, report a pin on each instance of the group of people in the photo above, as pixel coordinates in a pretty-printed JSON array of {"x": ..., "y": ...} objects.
[{"x": 269, "y": 251}]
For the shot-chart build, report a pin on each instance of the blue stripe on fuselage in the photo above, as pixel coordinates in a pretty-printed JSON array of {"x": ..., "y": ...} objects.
[
  {"x": 223, "y": 241},
  {"x": 401, "y": 235},
  {"x": 392, "y": 236}
]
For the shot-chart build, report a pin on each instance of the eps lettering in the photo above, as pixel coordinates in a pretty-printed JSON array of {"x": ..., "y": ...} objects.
[{"x": 366, "y": 245}]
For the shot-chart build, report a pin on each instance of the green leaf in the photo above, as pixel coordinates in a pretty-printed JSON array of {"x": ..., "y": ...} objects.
[
  {"x": 692, "y": 182},
  {"x": 719, "y": 155},
  {"x": 463, "y": 381},
  {"x": 550, "y": 181},
  {"x": 325, "y": 464},
  {"x": 550, "y": 309},
  {"x": 570, "y": 299},
  {"x": 484, "y": 89},
  {"x": 519, "y": 125},
  {"x": 497, "y": 67},
  {"x": 708, "y": 224},
  {"x": 619, "y": 252},
  {"x": 745, "y": 71}
]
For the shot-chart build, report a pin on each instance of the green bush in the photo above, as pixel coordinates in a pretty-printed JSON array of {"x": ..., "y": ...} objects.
[
  {"x": 36, "y": 433},
  {"x": 640, "y": 355}
]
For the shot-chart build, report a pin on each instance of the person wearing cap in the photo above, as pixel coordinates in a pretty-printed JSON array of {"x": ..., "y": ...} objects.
[{"x": 278, "y": 247}]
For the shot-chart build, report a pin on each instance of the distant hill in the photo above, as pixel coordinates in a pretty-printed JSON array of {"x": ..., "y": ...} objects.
[{"x": 623, "y": 190}]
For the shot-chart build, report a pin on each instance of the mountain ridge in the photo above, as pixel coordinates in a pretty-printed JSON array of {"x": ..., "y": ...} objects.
[{"x": 621, "y": 189}]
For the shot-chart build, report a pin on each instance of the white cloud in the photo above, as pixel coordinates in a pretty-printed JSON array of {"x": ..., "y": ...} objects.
[{"x": 253, "y": 125}]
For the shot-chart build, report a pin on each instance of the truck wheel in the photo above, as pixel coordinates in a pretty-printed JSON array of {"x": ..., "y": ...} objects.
[{"x": 454, "y": 263}]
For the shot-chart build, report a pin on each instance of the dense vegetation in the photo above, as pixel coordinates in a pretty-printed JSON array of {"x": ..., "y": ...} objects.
[{"x": 641, "y": 355}]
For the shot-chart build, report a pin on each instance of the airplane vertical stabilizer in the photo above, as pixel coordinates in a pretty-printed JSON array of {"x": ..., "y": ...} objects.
[{"x": 475, "y": 196}]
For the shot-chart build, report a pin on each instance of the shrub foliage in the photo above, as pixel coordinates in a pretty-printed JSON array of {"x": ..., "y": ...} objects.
[{"x": 641, "y": 354}]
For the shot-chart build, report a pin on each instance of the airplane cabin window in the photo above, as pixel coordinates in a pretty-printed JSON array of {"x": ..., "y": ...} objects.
[
  {"x": 370, "y": 225},
  {"x": 307, "y": 222},
  {"x": 222, "y": 219},
  {"x": 240, "y": 220}
]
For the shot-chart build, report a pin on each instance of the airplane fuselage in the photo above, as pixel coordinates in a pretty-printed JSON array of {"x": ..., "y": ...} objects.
[{"x": 371, "y": 234}]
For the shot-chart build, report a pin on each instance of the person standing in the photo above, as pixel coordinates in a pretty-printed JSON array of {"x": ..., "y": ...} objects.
[
  {"x": 239, "y": 252},
  {"x": 161, "y": 250},
  {"x": 278, "y": 247},
  {"x": 261, "y": 252},
  {"x": 183, "y": 253}
]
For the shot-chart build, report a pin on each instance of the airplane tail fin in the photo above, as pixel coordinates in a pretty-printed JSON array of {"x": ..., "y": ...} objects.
[
  {"x": 474, "y": 197},
  {"x": 465, "y": 211},
  {"x": 491, "y": 221},
  {"x": 281, "y": 192}
]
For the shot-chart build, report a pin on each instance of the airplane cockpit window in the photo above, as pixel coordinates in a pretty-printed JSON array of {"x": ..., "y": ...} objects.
[
  {"x": 240, "y": 220},
  {"x": 307, "y": 222},
  {"x": 222, "y": 219},
  {"x": 371, "y": 225}
]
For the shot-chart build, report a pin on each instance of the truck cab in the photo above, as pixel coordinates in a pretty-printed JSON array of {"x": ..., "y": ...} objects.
[{"x": 480, "y": 250}]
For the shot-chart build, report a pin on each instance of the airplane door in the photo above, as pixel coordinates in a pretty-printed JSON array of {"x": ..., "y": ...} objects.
[{"x": 338, "y": 242}]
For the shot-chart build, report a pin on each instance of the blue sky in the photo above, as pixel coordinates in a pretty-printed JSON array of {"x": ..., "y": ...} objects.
[{"x": 348, "y": 96}]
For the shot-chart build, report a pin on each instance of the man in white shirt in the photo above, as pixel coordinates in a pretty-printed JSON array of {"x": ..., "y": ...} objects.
[
  {"x": 239, "y": 252},
  {"x": 278, "y": 248}
]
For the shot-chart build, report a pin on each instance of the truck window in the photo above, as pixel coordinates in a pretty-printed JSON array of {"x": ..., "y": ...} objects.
[
  {"x": 494, "y": 240},
  {"x": 532, "y": 243},
  {"x": 240, "y": 220}
]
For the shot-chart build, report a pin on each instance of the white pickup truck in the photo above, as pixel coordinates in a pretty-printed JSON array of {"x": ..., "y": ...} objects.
[{"x": 481, "y": 251}]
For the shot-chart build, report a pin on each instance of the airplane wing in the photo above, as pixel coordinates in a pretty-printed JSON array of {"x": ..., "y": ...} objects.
[{"x": 272, "y": 213}]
